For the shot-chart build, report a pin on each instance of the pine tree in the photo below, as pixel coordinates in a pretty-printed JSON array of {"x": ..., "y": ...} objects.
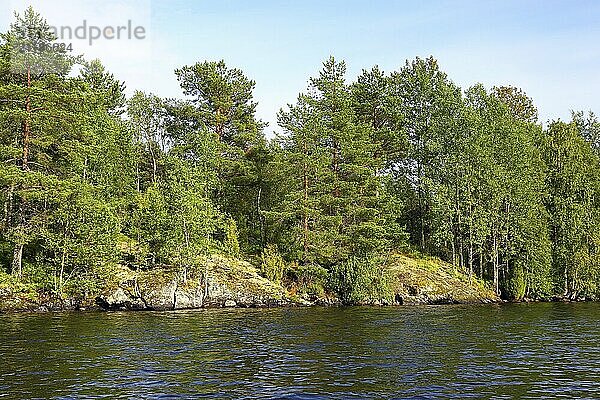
[
  {"x": 335, "y": 192},
  {"x": 224, "y": 105},
  {"x": 43, "y": 119},
  {"x": 110, "y": 91}
]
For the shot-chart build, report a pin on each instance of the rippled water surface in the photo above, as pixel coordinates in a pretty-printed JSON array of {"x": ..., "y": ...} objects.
[{"x": 511, "y": 351}]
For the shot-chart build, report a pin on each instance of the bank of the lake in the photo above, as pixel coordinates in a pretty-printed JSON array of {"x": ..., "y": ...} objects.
[{"x": 227, "y": 282}]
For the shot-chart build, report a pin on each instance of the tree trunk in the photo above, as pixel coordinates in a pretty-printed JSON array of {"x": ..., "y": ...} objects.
[
  {"x": 8, "y": 205},
  {"x": 187, "y": 246},
  {"x": 305, "y": 208},
  {"x": 137, "y": 177},
  {"x": 62, "y": 271},
  {"x": 421, "y": 218},
  {"x": 153, "y": 168},
  {"x": 470, "y": 257},
  {"x": 261, "y": 224},
  {"x": 481, "y": 258},
  {"x": 17, "y": 262},
  {"x": 496, "y": 286},
  {"x": 470, "y": 235},
  {"x": 566, "y": 278},
  {"x": 85, "y": 167},
  {"x": 507, "y": 239},
  {"x": 336, "y": 171},
  {"x": 26, "y": 125},
  {"x": 219, "y": 125},
  {"x": 205, "y": 282},
  {"x": 453, "y": 249}
]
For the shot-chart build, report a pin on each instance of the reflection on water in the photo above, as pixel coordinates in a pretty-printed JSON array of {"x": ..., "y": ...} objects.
[{"x": 510, "y": 351}]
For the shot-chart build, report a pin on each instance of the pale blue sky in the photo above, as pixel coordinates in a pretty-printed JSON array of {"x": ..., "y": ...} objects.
[{"x": 549, "y": 48}]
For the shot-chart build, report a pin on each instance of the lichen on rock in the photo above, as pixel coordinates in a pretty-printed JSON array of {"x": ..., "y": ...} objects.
[
  {"x": 432, "y": 281},
  {"x": 220, "y": 282}
]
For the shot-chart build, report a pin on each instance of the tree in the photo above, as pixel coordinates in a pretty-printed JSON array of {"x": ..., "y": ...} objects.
[
  {"x": 110, "y": 91},
  {"x": 334, "y": 192},
  {"x": 375, "y": 104},
  {"x": 42, "y": 115},
  {"x": 573, "y": 184},
  {"x": 517, "y": 242},
  {"x": 300, "y": 163},
  {"x": 519, "y": 105},
  {"x": 174, "y": 221},
  {"x": 148, "y": 120},
  {"x": 78, "y": 236},
  {"x": 223, "y": 102},
  {"x": 430, "y": 104},
  {"x": 589, "y": 128}
]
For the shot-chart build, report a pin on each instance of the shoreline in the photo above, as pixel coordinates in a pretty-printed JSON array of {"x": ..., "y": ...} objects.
[
  {"x": 90, "y": 310},
  {"x": 228, "y": 283}
]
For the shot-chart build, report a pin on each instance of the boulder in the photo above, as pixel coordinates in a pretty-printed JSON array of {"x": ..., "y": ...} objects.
[{"x": 229, "y": 283}]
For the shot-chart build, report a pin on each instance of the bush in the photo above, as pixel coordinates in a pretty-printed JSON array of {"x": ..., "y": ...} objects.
[
  {"x": 232, "y": 246},
  {"x": 360, "y": 280},
  {"x": 272, "y": 265},
  {"x": 312, "y": 279},
  {"x": 12, "y": 288},
  {"x": 515, "y": 284}
]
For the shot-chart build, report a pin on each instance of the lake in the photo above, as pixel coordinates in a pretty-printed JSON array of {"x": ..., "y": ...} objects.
[{"x": 526, "y": 351}]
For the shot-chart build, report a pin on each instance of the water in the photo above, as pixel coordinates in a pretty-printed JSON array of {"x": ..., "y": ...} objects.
[{"x": 510, "y": 351}]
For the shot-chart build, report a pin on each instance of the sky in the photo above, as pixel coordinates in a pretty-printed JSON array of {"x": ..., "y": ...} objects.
[{"x": 550, "y": 49}]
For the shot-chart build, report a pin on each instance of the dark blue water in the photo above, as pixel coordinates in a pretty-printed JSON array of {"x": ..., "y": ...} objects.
[{"x": 524, "y": 351}]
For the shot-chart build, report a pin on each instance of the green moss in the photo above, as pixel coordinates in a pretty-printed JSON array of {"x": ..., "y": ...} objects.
[
  {"x": 240, "y": 276},
  {"x": 431, "y": 280}
]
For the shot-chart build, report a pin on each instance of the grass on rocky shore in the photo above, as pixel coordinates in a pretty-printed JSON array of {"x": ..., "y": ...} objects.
[
  {"x": 411, "y": 280},
  {"x": 430, "y": 280}
]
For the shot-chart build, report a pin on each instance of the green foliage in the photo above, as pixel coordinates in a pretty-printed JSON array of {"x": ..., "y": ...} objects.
[
  {"x": 332, "y": 194},
  {"x": 27, "y": 49},
  {"x": 396, "y": 161},
  {"x": 83, "y": 188},
  {"x": 358, "y": 280},
  {"x": 573, "y": 182},
  {"x": 12, "y": 288},
  {"x": 109, "y": 91},
  {"x": 222, "y": 105},
  {"x": 519, "y": 105},
  {"x": 515, "y": 284},
  {"x": 231, "y": 239},
  {"x": 272, "y": 265},
  {"x": 312, "y": 279}
]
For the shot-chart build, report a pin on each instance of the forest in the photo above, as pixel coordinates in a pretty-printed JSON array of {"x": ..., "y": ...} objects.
[{"x": 391, "y": 162}]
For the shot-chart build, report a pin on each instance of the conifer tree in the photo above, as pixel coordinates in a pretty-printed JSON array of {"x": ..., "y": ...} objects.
[
  {"x": 224, "y": 105},
  {"x": 335, "y": 193},
  {"x": 43, "y": 115}
]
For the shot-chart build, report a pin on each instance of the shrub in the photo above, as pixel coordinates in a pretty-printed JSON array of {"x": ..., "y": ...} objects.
[
  {"x": 272, "y": 265},
  {"x": 515, "y": 284},
  {"x": 359, "y": 280},
  {"x": 312, "y": 279},
  {"x": 232, "y": 245}
]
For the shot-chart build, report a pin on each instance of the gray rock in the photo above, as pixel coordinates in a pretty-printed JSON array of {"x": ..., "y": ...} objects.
[
  {"x": 121, "y": 299},
  {"x": 187, "y": 298},
  {"x": 175, "y": 295},
  {"x": 161, "y": 298}
]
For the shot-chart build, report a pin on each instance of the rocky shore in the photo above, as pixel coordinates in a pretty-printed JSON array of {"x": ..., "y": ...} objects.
[{"x": 226, "y": 282}]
